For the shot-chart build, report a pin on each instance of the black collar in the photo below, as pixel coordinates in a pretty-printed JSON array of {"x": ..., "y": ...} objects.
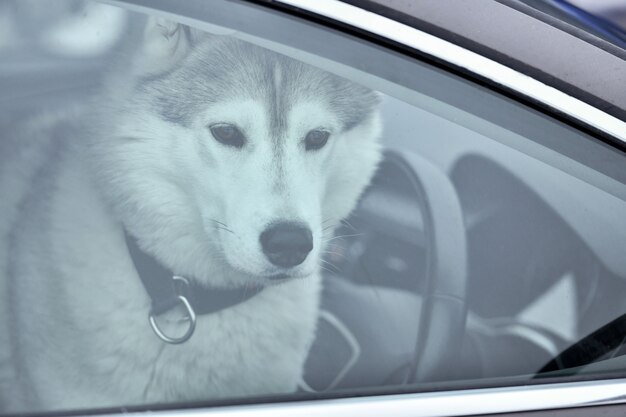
[{"x": 164, "y": 292}]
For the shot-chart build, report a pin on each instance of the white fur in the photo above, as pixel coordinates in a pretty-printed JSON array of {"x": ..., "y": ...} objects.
[{"x": 75, "y": 332}]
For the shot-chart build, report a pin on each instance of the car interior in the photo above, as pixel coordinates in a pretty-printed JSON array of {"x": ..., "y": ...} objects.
[{"x": 531, "y": 285}]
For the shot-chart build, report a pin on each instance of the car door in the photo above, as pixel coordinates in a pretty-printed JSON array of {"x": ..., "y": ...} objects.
[{"x": 478, "y": 269}]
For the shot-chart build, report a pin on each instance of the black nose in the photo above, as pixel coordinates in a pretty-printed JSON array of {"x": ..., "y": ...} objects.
[{"x": 287, "y": 244}]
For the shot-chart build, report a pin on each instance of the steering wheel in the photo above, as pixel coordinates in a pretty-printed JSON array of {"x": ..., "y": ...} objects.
[
  {"x": 442, "y": 320},
  {"x": 441, "y": 242}
]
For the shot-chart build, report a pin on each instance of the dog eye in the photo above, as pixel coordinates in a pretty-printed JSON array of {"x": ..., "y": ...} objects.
[
  {"x": 227, "y": 134},
  {"x": 315, "y": 139}
]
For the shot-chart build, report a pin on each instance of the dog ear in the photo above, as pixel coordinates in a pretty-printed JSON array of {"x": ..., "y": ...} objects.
[{"x": 164, "y": 43}]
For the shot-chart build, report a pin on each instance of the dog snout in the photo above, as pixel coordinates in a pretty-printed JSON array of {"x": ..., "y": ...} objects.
[{"x": 287, "y": 244}]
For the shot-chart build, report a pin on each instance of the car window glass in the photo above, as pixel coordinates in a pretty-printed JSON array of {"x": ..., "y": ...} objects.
[{"x": 203, "y": 210}]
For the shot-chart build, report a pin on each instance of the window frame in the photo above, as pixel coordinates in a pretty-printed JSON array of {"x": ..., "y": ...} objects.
[
  {"x": 434, "y": 404},
  {"x": 458, "y": 56}
]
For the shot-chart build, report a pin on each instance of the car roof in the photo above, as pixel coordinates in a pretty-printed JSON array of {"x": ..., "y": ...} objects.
[
  {"x": 521, "y": 37},
  {"x": 584, "y": 16}
]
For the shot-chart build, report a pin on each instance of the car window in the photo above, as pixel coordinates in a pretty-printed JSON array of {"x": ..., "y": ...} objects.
[{"x": 222, "y": 205}]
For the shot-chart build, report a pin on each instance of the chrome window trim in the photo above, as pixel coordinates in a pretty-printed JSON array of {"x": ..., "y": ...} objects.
[
  {"x": 461, "y": 57},
  {"x": 433, "y": 404}
]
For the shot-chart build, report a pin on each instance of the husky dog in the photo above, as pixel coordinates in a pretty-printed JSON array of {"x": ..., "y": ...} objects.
[{"x": 226, "y": 163}]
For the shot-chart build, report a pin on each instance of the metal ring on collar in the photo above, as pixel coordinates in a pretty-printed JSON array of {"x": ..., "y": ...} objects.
[{"x": 176, "y": 340}]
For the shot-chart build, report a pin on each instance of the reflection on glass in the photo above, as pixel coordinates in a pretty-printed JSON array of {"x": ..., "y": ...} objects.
[{"x": 189, "y": 217}]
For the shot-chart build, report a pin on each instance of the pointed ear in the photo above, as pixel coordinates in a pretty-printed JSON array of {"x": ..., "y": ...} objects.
[{"x": 164, "y": 43}]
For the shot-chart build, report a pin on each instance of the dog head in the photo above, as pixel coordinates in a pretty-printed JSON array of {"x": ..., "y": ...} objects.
[{"x": 231, "y": 163}]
